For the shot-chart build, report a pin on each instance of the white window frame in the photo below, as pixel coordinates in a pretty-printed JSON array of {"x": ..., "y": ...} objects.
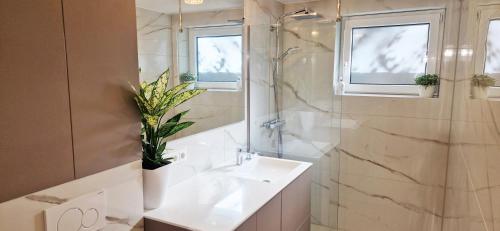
[
  {"x": 485, "y": 14},
  {"x": 435, "y": 20},
  {"x": 197, "y": 32}
]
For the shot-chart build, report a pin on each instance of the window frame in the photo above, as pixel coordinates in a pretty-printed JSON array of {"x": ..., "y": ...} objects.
[
  {"x": 485, "y": 14},
  {"x": 213, "y": 31},
  {"x": 434, "y": 18}
]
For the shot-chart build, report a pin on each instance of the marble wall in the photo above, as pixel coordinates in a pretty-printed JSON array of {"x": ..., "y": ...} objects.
[
  {"x": 394, "y": 150},
  {"x": 310, "y": 107},
  {"x": 305, "y": 96},
  {"x": 259, "y": 15},
  {"x": 472, "y": 192},
  {"x": 154, "y": 41}
]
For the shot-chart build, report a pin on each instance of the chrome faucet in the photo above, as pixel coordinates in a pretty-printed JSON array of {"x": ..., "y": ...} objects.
[{"x": 240, "y": 156}]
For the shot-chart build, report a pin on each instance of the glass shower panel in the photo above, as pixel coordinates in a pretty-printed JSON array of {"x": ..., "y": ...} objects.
[
  {"x": 304, "y": 104},
  {"x": 261, "y": 105}
]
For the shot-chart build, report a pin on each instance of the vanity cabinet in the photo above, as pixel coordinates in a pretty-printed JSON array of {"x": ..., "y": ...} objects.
[
  {"x": 296, "y": 204},
  {"x": 249, "y": 225},
  {"x": 269, "y": 216},
  {"x": 66, "y": 105},
  {"x": 289, "y": 210}
]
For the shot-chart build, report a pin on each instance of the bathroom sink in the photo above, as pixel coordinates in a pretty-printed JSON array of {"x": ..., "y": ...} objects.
[{"x": 264, "y": 169}]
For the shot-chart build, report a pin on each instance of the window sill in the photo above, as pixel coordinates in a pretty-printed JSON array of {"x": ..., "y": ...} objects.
[
  {"x": 220, "y": 90},
  {"x": 388, "y": 96},
  {"x": 492, "y": 99}
]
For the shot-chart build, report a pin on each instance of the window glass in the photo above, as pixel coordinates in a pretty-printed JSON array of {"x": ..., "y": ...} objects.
[
  {"x": 219, "y": 58},
  {"x": 389, "y": 55},
  {"x": 492, "y": 64}
]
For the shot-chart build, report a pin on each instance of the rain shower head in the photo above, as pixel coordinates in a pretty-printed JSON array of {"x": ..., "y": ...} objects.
[
  {"x": 306, "y": 14},
  {"x": 301, "y": 14}
]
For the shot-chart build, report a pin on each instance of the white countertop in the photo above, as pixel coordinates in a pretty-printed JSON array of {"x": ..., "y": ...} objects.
[{"x": 216, "y": 200}]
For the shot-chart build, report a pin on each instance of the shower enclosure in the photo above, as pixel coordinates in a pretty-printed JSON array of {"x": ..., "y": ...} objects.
[{"x": 294, "y": 113}]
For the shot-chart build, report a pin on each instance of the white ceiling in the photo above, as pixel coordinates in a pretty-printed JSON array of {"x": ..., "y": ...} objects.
[{"x": 172, "y": 6}]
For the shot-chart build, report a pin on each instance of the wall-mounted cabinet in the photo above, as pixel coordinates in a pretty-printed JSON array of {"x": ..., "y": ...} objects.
[
  {"x": 66, "y": 110},
  {"x": 101, "y": 40},
  {"x": 35, "y": 127}
]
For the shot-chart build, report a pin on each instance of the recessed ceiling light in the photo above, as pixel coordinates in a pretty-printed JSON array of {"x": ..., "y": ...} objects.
[{"x": 193, "y": 2}]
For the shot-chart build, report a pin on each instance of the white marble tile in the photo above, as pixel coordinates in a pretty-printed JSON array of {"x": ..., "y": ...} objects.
[{"x": 154, "y": 43}]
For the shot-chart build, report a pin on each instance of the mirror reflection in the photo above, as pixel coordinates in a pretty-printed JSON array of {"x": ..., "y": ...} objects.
[{"x": 199, "y": 43}]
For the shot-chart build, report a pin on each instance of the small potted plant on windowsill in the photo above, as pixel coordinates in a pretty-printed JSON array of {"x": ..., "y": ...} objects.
[
  {"x": 481, "y": 85},
  {"x": 427, "y": 85},
  {"x": 188, "y": 77},
  {"x": 154, "y": 101}
]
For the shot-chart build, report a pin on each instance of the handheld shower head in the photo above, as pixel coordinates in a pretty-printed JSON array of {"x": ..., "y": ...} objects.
[{"x": 288, "y": 51}]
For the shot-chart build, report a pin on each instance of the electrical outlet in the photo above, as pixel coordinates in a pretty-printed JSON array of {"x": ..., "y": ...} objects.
[{"x": 178, "y": 155}]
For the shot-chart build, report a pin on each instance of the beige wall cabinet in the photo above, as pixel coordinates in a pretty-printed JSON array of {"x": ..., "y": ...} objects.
[
  {"x": 101, "y": 40},
  {"x": 66, "y": 110},
  {"x": 35, "y": 127}
]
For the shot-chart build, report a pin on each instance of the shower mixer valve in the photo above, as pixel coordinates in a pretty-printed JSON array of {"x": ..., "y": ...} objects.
[{"x": 275, "y": 123}]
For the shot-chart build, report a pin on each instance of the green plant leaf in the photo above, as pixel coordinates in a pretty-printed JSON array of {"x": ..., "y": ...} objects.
[
  {"x": 154, "y": 100},
  {"x": 171, "y": 93},
  {"x": 160, "y": 150},
  {"x": 177, "y": 117},
  {"x": 483, "y": 81},
  {"x": 427, "y": 80},
  {"x": 184, "y": 96},
  {"x": 166, "y": 128},
  {"x": 179, "y": 127}
]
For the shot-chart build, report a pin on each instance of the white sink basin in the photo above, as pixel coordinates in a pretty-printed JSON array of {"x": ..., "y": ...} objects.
[
  {"x": 264, "y": 169},
  {"x": 221, "y": 199}
]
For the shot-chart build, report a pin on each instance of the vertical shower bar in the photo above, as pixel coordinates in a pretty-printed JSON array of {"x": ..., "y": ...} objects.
[
  {"x": 246, "y": 79},
  {"x": 276, "y": 62}
]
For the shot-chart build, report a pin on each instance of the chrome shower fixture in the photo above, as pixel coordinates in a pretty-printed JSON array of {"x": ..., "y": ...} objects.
[
  {"x": 301, "y": 14},
  {"x": 305, "y": 15},
  {"x": 287, "y": 52}
]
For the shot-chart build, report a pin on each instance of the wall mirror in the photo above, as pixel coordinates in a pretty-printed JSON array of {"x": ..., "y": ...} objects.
[{"x": 203, "y": 44}]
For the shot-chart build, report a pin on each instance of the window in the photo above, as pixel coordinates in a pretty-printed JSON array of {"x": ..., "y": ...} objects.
[
  {"x": 492, "y": 62},
  {"x": 384, "y": 53},
  {"x": 487, "y": 56},
  {"x": 216, "y": 57}
]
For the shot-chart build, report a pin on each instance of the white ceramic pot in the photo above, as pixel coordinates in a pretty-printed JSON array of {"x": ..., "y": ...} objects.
[
  {"x": 426, "y": 91},
  {"x": 480, "y": 92},
  {"x": 191, "y": 86},
  {"x": 155, "y": 183}
]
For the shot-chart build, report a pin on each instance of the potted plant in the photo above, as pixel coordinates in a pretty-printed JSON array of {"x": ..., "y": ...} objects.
[
  {"x": 427, "y": 85},
  {"x": 481, "y": 85},
  {"x": 188, "y": 77},
  {"x": 154, "y": 101}
]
